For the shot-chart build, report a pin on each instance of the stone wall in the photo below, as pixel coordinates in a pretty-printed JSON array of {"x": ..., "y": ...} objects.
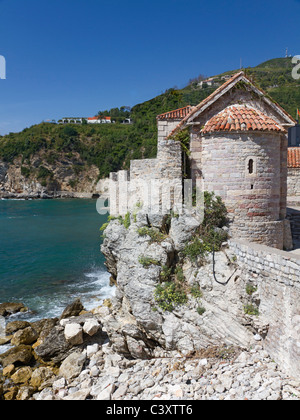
[
  {"x": 255, "y": 201},
  {"x": 165, "y": 127},
  {"x": 293, "y": 182},
  {"x": 154, "y": 183},
  {"x": 144, "y": 169},
  {"x": 277, "y": 277}
]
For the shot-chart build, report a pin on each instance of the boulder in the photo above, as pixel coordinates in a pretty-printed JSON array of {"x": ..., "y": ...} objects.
[
  {"x": 91, "y": 327},
  {"x": 22, "y": 375},
  {"x": 44, "y": 326},
  {"x": 9, "y": 308},
  {"x": 15, "y": 326},
  {"x": 24, "y": 393},
  {"x": 25, "y": 336},
  {"x": 73, "y": 334},
  {"x": 41, "y": 375},
  {"x": 54, "y": 348},
  {"x": 20, "y": 355},
  {"x": 72, "y": 365},
  {"x": 73, "y": 309}
]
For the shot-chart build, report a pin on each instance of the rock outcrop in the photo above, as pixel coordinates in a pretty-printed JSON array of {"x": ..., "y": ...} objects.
[
  {"x": 211, "y": 309},
  {"x": 64, "y": 178}
]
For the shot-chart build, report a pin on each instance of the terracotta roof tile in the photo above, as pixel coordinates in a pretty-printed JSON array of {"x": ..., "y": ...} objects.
[
  {"x": 293, "y": 157},
  {"x": 177, "y": 114},
  {"x": 234, "y": 79},
  {"x": 241, "y": 118}
]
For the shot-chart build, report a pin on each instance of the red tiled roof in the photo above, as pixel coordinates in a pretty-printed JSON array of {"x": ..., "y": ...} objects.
[
  {"x": 177, "y": 114},
  {"x": 234, "y": 79},
  {"x": 293, "y": 157},
  {"x": 241, "y": 118},
  {"x": 212, "y": 95},
  {"x": 99, "y": 118}
]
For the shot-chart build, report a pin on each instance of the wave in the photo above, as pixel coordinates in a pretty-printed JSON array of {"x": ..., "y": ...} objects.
[{"x": 98, "y": 281}]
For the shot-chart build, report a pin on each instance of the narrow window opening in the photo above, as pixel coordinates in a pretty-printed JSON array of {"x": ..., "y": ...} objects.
[
  {"x": 250, "y": 166},
  {"x": 252, "y": 186}
]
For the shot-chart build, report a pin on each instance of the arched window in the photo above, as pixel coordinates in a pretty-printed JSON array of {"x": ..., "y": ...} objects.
[{"x": 251, "y": 166}]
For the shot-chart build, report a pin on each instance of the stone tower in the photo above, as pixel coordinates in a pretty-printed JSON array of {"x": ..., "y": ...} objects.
[{"x": 239, "y": 149}]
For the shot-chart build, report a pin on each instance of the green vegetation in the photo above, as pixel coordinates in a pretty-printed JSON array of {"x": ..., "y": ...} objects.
[
  {"x": 250, "y": 289},
  {"x": 168, "y": 295},
  {"x": 155, "y": 234},
  {"x": 201, "y": 310},
  {"x": 196, "y": 291},
  {"x": 124, "y": 221},
  {"x": 210, "y": 235},
  {"x": 25, "y": 171},
  {"x": 251, "y": 310},
  {"x": 146, "y": 262},
  {"x": 165, "y": 273},
  {"x": 173, "y": 290}
]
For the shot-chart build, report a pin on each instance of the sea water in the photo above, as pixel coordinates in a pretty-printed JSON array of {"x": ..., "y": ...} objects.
[{"x": 50, "y": 255}]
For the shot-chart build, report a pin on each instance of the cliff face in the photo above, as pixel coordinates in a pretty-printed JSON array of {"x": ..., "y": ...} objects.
[
  {"x": 148, "y": 312},
  {"x": 39, "y": 177}
]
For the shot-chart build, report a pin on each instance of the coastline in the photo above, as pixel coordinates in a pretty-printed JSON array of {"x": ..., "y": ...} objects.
[
  {"x": 38, "y": 193},
  {"x": 48, "y": 195},
  {"x": 71, "y": 358}
]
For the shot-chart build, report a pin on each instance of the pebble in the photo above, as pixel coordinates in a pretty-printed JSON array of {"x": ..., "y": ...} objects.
[{"x": 253, "y": 375}]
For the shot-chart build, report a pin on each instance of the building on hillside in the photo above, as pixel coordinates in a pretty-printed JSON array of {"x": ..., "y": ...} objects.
[
  {"x": 71, "y": 120},
  {"x": 99, "y": 120},
  {"x": 208, "y": 83},
  {"x": 80, "y": 120},
  {"x": 238, "y": 149}
]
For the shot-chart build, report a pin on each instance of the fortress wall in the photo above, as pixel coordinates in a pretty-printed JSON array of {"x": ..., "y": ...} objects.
[
  {"x": 293, "y": 182},
  {"x": 254, "y": 199},
  {"x": 277, "y": 276}
]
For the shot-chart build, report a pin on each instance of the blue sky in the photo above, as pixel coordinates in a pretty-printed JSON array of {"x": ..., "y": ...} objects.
[{"x": 75, "y": 57}]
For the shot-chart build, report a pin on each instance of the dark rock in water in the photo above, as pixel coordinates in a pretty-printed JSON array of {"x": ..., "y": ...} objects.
[
  {"x": 20, "y": 355},
  {"x": 9, "y": 308},
  {"x": 15, "y": 326},
  {"x": 73, "y": 309}
]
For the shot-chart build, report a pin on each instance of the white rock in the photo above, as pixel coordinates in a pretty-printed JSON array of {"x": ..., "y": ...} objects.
[
  {"x": 94, "y": 371},
  {"x": 73, "y": 334},
  {"x": 257, "y": 337},
  {"x": 80, "y": 395},
  {"x": 106, "y": 394},
  {"x": 90, "y": 350},
  {"x": 72, "y": 366},
  {"x": 64, "y": 322},
  {"x": 59, "y": 384},
  {"x": 91, "y": 327}
]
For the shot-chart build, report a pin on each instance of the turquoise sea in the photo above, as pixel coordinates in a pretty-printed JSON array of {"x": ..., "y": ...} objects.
[{"x": 50, "y": 255}]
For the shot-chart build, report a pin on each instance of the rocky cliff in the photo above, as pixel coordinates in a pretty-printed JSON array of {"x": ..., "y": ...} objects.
[
  {"x": 42, "y": 178},
  {"x": 169, "y": 300}
]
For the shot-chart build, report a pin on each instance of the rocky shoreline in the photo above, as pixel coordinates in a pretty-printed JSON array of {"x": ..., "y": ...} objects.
[
  {"x": 71, "y": 358},
  {"x": 45, "y": 195},
  {"x": 184, "y": 324}
]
